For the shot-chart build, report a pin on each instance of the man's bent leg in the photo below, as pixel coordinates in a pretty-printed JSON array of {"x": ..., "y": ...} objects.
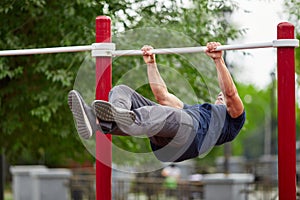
[
  {"x": 123, "y": 96},
  {"x": 161, "y": 123},
  {"x": 151, "y": 119}
]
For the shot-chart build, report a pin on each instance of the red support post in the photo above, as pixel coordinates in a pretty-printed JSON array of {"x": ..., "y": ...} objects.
[
  {"x": 286, "y": 115},
  {"x": 103, "y": 86}
]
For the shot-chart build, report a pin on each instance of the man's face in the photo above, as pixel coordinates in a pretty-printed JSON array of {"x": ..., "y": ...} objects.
[{"x": 220, "y": 99}]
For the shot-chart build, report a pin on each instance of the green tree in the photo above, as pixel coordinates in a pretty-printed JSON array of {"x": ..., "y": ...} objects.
[
  {"x": 35, "y": 118},
  {"x": 36, "y": 124},
  {"x": 292, "y": 9},
  {"x": 261, "y": 118}
]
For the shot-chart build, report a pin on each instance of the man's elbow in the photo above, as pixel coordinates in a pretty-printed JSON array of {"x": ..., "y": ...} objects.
[
  {"x": 231, "y": 93},
  {"x": 161, "y": 99}
]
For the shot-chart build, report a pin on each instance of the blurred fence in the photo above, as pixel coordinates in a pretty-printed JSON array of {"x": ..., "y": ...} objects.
[
  {"x": 154, "y": 189},
  {"x": 82, "y": 187}
]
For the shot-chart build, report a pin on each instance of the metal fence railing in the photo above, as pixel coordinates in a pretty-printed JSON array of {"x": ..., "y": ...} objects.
[{"x": 82, "y": 187}]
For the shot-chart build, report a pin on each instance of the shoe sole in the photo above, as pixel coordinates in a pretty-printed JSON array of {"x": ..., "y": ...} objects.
[
  {"x": 107, "y": 112},
  {"x": 83, "y": 125}
]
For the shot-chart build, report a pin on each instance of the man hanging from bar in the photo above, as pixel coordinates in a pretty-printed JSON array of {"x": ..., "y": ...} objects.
[{"x": 176, "y": 131}]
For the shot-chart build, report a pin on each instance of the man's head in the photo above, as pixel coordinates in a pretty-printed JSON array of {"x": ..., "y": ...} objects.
[{"x": 220, "y": 99}]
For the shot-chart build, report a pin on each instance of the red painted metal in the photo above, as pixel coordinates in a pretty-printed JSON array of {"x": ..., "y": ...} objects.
[
  {"x": 103, "y": 86},
  {"x": 286, "y": 115}
]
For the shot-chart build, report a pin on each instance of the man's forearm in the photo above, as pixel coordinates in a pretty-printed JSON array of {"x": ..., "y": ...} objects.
[
  {"x": 225, "y": 80},
  {"x": 156, "y": 82},
  {"x": 233, "y": 102}
]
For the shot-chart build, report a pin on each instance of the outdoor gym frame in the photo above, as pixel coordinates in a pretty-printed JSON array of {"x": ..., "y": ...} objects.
[{"x": 104, "y": 50}]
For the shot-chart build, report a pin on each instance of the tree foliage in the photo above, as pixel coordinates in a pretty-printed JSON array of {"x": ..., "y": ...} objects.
[
  {"x": 292, "y": 9},
  {"x": 36, "y": 124}
]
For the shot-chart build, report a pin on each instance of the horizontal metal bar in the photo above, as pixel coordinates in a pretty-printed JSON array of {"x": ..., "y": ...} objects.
[
  {"x": 100, "y": 50},
  {"x": 160, "y": 51},
  {"x": 45, "y": 50},
  {"x": 193, "y": 49},
  {"x": 182, "y": 50}
]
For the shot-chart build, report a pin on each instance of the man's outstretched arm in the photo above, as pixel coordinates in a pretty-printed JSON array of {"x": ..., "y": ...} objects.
[
  {"x": 157, "y": 84},
  {"x": 233, "y": 101}
]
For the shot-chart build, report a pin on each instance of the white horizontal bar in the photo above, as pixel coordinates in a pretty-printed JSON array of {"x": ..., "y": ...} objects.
[
  {"x": 193, "y": 49},
  {"x": 160, "y": 51},
  {"x": 99, "y": 49},
  {"x": 45, "y": 50},
  {"x": 181, "y": 50}
]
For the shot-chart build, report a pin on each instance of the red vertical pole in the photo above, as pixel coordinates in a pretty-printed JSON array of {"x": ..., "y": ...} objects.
[
  {"x": 103, "y": 86},
  {"x": 286, "y": 115}
]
